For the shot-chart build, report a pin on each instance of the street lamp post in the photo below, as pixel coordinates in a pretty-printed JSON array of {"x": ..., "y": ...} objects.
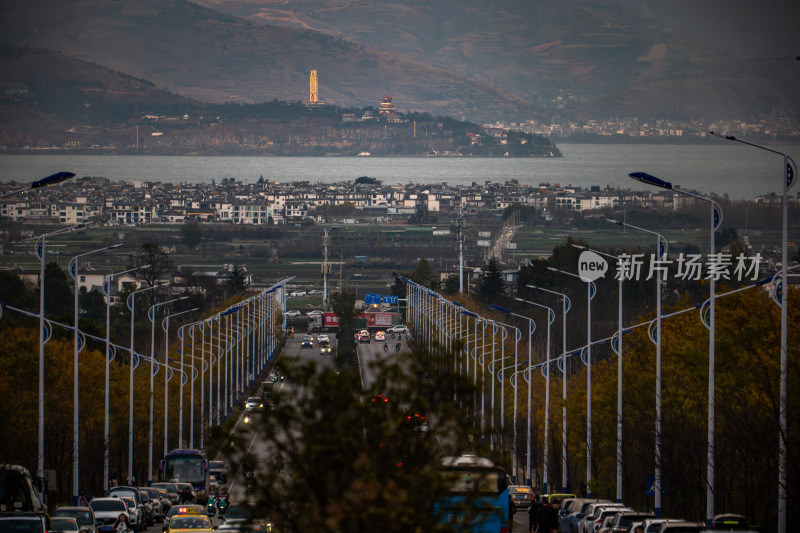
[
  {"x": 617, "y": 347},
  {"x": 565, "y": 308},
  {"x": 73, "y": 270},
  {"x": 661, "y": 247},
  {"x": 131, "y": 302},
  {"x": 40, "y": 252},
  {"x": 152, "y": 318},
  {"x": 716, "y": 220},
  {"x": 790, "y": 170},
  {"x": 590, "y": 292},
  {"x": 58, "y": 177},
  {"x": 165, "y": 327},
  {"x": 107, "y": 292},
  {"x": 531, "y": 329},
  {"x": 551, "y": 316}
]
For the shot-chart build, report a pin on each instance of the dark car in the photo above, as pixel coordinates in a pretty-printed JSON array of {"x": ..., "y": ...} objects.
[
  {"x": 159, "y": 505},
  {"x": 307, "y": 342},
  {"x": 219, "y": 469},
  {"x": 83, "y": 515},
  {"x": 172, "y": 490},
  {"x": 33, "y": 522},
  {"x": 149, "y": 511},
  {"x": 521, "y": 496}
]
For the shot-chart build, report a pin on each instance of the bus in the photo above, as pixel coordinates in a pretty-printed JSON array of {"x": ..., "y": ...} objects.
[
  {"x": 187, "y": 466},
  {"x": 477, "y": 497}
]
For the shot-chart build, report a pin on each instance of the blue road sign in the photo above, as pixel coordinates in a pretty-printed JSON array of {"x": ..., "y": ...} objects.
[
  {"x": 372, "y": 299},
  {"x": 651, "y": 484}
]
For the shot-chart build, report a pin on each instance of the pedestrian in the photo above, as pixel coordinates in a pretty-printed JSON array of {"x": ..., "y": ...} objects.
[
  {"x": 535, "y": 505},
  {"x": 547, "y": 518},
  {"x": 122, "y": 524},
  {"x": 114, "y": 482},
  {"x": 82, "y": 501}
]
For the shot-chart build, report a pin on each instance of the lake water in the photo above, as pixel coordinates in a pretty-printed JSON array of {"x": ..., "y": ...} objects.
[{"x": 739, "y": 171}]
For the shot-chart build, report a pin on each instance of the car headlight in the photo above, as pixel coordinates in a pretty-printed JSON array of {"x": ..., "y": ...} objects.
[{"x": 247, "y": 420}]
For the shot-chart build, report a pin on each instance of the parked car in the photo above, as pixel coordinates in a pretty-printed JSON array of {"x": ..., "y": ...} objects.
[
  {"x": 67, "y": 524},
  {"x": 586, "y": 525},
  {"x": 623, "y": 519},
  {"x": 573, "y": 512},
  {"x": 682, "y": 527},
  {"x": 107, "y": 511},
  {"x": 83, "y": 515},
  {"x": 293, "y": 313},
  {"x": 315, "y": 292},
  {"x": 606, "y": 513},
  {"x": 296, "y": 294},
  {"x": 652, "y": 525}
]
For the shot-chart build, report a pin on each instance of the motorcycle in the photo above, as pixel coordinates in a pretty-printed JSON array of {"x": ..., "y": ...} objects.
[
  {"x": 222, "y": 506},
  {"x": 211, "y": 507},
  {"x": 397, "y": 348},
  {"x": 385, "y": 347}
]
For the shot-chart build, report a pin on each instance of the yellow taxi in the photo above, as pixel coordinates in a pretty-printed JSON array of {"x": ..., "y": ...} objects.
[
  {"x": 176, "y": 510},
  {"x": 190, "y": 523}
]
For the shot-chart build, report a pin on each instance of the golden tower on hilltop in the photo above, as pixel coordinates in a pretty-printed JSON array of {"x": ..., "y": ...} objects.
[{"x": 313, "y": 93}]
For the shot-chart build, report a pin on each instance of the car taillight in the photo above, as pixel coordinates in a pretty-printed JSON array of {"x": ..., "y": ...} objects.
[{"x": 504, "y": 529}]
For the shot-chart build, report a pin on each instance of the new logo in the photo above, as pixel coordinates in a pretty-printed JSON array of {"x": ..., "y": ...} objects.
[{"x": 591, "y": 266}]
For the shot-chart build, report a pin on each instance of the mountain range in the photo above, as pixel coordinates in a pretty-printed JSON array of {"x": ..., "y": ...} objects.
[{"x": 470, "y": 59}]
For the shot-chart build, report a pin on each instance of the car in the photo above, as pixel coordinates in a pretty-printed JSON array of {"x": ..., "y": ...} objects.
[
  {"x": 323, "y": 338},
  {"x": 324, "y": 344},
  {"x": 83, "y": 515},
  {"x": 67, "y": 524},
  {"x": 307, "y": 342},
  {"x": 134, "y": 512},
  {"x": 29, "y": 522},
  {"x": 293, "y": 313},
  {"x": 364, "y": 336},
  {"x": 586, "y": 524},
  {"x": 417, "y": 422},
  {"x": 608, "y": 512},
  {"x": 159, "y": 506},
  {"x": 143, "y": 516},
  {"x": 521, "y": 496},
  {"x": 315, "y": 292},
  {"x": 182, "y": 510},
  {"x": 166, "y": 501},
  {"x": 190, "y": 523},
  {"x": 297, "y": 294},
  {"x": 107, "y": 511},
  {"x": 253, "y": 403},
  {"x": 682, "y": 527},
  {"x": 400, "y": 328},
  {"x": 172, "y": 489},
  {"x": 572, "y": 512},
  {"x": 219, "y": 469},
  {"x": 149, "y": 508},
  {"x": 623, "y": 519},
  {"x": 652, "y": 525},
  {"x": 380, "y": 336}
]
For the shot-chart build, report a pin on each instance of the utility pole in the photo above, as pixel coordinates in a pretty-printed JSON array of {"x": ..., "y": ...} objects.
[
  {"x": 461, "y": 246},
  {"x": 325, "y": 269}
]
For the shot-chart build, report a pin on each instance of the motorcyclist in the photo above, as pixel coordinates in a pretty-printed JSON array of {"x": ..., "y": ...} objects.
[
  {"x": 385, "y": 347},
  {"x": 397, "y": 348}
]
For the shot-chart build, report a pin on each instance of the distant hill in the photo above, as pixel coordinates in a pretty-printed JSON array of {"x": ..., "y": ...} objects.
[
  {"x": 215, "y": 57},
  {"x": 581, "y": 58},
  {"x": 51, "y": 101}
]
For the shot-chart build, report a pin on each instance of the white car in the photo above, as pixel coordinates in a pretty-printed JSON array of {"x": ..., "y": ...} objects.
[
  {"x": 108, "y": 510},
  {"x": 400, "y": 328},
  {"x": 296, "y": 294},
  {"x": 315, "y": 292},
  {"x": 293, "y": 313}
]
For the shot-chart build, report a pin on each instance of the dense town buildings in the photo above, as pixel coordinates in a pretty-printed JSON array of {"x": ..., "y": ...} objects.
[{"x": 263, "y": 202}]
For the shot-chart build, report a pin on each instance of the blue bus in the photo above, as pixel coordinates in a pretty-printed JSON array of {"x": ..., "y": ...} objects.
[
  {"x": 186, "y": 466},
  {"x": 477, "y": 497}
]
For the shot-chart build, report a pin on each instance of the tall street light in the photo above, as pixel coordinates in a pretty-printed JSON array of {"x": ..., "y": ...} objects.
[
  {"x": 531, "y": 329},
  {"x": 590, "y": 292},
  {"x": 131, "y": 302},
  {"x": 789, "y": 169},
  {"x": 40, "y": 252},
  {"x": 73, "y": 270},
  {"x": 151, "y": 316},
  {"x": 165, "y": 327},
  {"x": 716, "y": 220},
  {"x": 565, "y": 308},
  {"x": 617, "y": 347},
  {"x": 58, "y": 177},
  {"x": 661, "y": 247},
  {"x": 551, "y": 316},
  {"x": 107, "y": 293}
]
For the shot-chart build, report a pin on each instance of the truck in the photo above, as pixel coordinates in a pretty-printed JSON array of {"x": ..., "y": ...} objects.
[
  {"x": 323, "y": 322},
  {"x": 329, "y": 322}
]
